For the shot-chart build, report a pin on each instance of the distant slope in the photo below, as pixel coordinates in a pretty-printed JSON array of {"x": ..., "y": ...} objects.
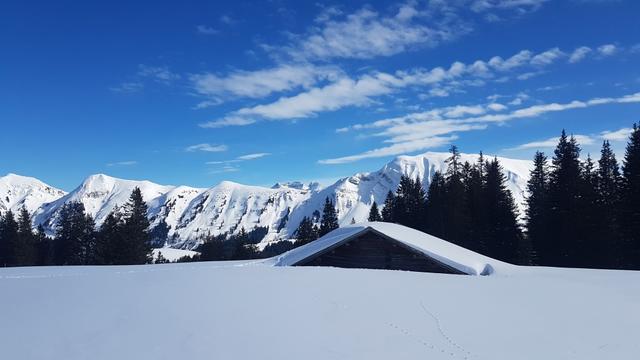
[
  {"x": 17, "y": 191},
  {"x": 228, "y": 206}
]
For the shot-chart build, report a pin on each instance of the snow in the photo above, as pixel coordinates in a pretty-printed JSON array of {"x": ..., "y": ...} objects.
[
  {"x": 173, "y": 254},
  {"x": 249, "y": 310},
  {"x": 457, "y": 257},
  {"x": 228, "y": 206},
  {"x": 17, "y": 191}
]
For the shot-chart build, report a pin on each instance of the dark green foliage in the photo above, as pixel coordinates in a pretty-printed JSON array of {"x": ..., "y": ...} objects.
[
  {"x": 75, "y": 240},
  {"x": 277, "y": 248},
  {"x": 212, "y": 248},
  {"x": 136, "y": 230},
  {"x": 388, "y": 211},
  {"x": 9, "y": 237},
  {"x": 111, "y": 241},
  {"x": 329, "y": 220},
  {"x": 241, "y": 248},
  {"x": 609, "y": 183},
  {"x": 374, "y": 213},
  {"x": 409, "y": 203},
  {"x": 456, "y": 211},
  {"x": 160, "y": 259},
  {"x": 506, "y": 240},
  {"x": 630, "y": 202},
  {"x": 537, "y": 215},
  {"x": 44, "y": 248},
  {"x": 306, "y": 232},
  {"x": 24, "y": 249},
  {"x": 436, "y": 222}
]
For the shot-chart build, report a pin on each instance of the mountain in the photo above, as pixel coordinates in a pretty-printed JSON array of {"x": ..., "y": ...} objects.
[
  {"x": 17, "y": 191},
  {"x": 227, "y": 207}
]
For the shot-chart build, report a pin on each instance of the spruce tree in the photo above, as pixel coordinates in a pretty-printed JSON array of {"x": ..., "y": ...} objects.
[
  {"x": 537, "y": 212},
  {"x": 374, "y": 213},
  {"x": 8, "y": 239},
  {"x": 564, "y": 199},
  {"x": 44, "y": 248},
  {"x": 329, "y": 220},
  {"x": 592, "y": 253},
  {"x": 388, "y": 211},
  {"x": 630, "y": 204},
  {"x": 306, "y": 232},
  {"x": 457, "y": 224},
  {"x": 504, "y": 231},
  {"x": 24, "y": 249},
  {"x": 474, "y": 188},
  {"x": 609, "y": 198},
  {"x": 75, "y": 236},
  {"x": 409, "y": 203},
  {"x": 436, "y": 222},
  {"x": 136, "y": 230},
  {"x": 111, "y": 244}
]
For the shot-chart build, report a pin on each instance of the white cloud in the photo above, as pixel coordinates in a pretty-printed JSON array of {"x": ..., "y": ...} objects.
[
  {"x": 207, "y": 30},
  {"x": 261, "y": 83},
  {"x": 206, "y": 148},
  {"x": 519, "y": 5},
  {"x": 547, "y": 57},
  {"x": 128, "y": 87},
  {"x": 553, "y": 142},
  {"x": 395, "y": 149},
  {"x": 617, "y": 135},
  {"x": 227, "y": 121},
  {"x": 578, "y": 54},
  {"x": 422, "y": 130},
  {"x": 607, "y": 50},
  {"x": 123, "y": 163},
  {"x": 160, "y": 74},
  {"x": 246, "y": 157},
  {"x": 366, "y": 34}
]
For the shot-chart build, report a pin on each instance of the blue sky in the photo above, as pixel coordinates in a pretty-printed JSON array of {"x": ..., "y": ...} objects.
[{"x": 258, "y": 92}]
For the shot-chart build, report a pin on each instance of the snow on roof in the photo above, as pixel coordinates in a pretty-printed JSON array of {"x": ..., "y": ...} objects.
[{"x": 443, "y": 251}]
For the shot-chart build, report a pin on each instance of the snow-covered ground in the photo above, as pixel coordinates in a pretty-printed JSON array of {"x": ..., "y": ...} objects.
[
  {"x": 251, "y": 310},
  {"x": 172, "y": 254}
]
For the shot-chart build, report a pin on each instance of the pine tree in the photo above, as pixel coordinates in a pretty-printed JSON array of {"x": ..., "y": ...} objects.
[
  {"x": 504, "y": 230},
  {"x": 609, "y": 198},
  {"x": 136, "y": 228},
  {"x": 388, "y": 211},
  {"x": 111, "y": 244},
  {"x": 8, "y": 238},
  {"x": 306, "y": 232},
  {"x": 329, "y": 220},
  {"x": 436, "y": 199},
  {"x": 212, "y": 249},
  {"x": 592, "y": 253},
  {"x": 475, "y": 183},
  {"x": 24, "y": 249},
  {"x": 75, "y": 236},
  {"x": 159, "y": 234},
  {"x": 409, "y": 203},
  {"x": 536, "y": 215},
  {"x": 564, "y": 195},
  {"x": 457, "y": 223},
  {"x": 45, "y": 248},
  {"x": 374, "y": 213},
  {"x": 629, "y": 207}
]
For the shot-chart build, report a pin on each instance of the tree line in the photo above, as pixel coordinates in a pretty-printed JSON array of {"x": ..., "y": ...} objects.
[
  {"x": 578, "y": 214},
  {"x": 123, "y": 238}
]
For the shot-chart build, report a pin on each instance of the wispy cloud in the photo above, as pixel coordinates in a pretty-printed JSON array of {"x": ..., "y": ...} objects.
[
  {"x": 433, "y": 128},
  {"x": 123, "y": 163},
  {"x": 160, "y": 74},
  {"x": 617, "y": 135},
  {"x": 607, "y": 50},
  {"x": 610, "y": 135},
  {"x": 128, "y": 87},
  {"x": 579, "y": 54},
  {"x": 242, "y": 158},
  {"x": 207, "y": 148},
  {"x": 207, "y": 30}
]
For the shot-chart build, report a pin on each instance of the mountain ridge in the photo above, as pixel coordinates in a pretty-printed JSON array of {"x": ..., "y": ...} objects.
[{"x": 229, "y": 206}]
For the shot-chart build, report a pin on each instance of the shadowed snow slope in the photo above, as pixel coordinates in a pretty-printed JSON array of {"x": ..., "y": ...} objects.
[
  {"x": 237, "y": 310},
  {"x": 457, "y": 257}
]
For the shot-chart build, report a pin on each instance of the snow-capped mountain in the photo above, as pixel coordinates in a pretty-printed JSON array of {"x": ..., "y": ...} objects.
[
  {"x": 21, "y": 191},
  {"x": 228, "y": 206}
]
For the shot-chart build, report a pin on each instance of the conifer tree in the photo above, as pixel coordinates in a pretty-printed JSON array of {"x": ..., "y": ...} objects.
[
  {"x": 111, "y": 242},
  {"x": 564, "y": 195},
  {"x": 630, "y": 204},
  {"x": 536, "y": 215},
  {"x": 136, "y": 230},
  {"x": 388, "y": 211},
  {"x": 329, "y": 220},
  {"x": 592, "y": 253},
  {"x": 374, "y": 213},
  {"x": 306, "y": 232},
  {"x": 8, "y": 238},
  {"x": 44, "y": 248},
  {"x": 609, "y": 198},
  {"x": 457, "y": 224},
  {"x": 409, "y": 203},
  {"x": 504, "y": 230},
  {"x": 436, "y": 201},
  {"x": 475, "y": 182},
  {"x": 24, "y": 249},
  {"x": 75, "y": 236}
]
